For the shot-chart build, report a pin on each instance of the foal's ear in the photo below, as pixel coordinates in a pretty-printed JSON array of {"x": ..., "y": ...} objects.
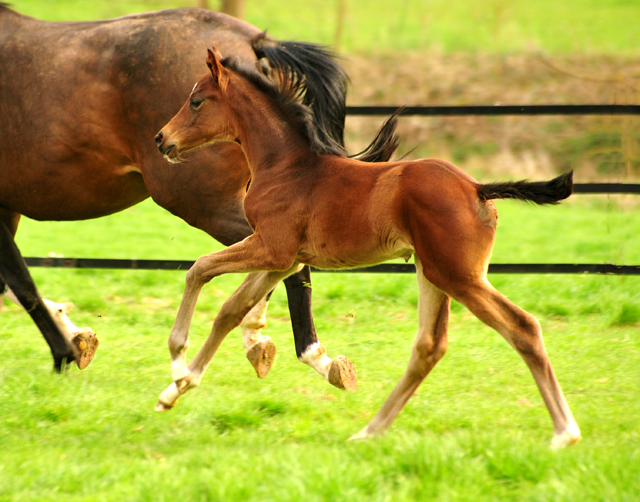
[{"x": 218, "y": 72}]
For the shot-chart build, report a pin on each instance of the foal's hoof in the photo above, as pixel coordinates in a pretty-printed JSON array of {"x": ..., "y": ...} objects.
[
  {"x": 342, "y": 374},
  {"x": 86, "y": 344},
  {"x": 570, "y": 436},
  {"x": 261, "y": 356},
  {"x": 162, "y": 406},
  {"x": 363, "y": 434}
]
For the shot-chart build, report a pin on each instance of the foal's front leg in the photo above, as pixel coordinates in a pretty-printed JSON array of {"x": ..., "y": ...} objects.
[
  {"x": 252, "y": 290},
  {"x": 246, "y": 256}
]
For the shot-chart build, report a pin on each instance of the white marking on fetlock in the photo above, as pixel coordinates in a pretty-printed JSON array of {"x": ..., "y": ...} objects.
[
  {"x": 59, "y": 312},
  {"x": 316, "y": 357},
  {"x": 569, "y": 436},
  {"x": 363, "y": 434},
  {"x": 195, "y": 378},
  {"x": 252, "y": 324},
  {"x": 179, "y": 368},
  {"x": 168, "y": 397}
]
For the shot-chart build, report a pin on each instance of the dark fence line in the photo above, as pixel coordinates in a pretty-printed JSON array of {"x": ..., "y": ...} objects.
[
  {"x": 385, "y": 268},
  {"x": 606, "y": 188},
  {"x": 496, "y": 110},
  {"x": 497, "y": 268}
]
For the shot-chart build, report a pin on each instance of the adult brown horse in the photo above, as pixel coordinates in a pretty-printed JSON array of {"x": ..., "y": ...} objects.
[
  {"x": 310, "y": 205},
  {"x": 79, "y": 105}
]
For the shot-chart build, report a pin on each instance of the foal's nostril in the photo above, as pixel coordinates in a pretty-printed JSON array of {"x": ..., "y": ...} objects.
[{"x": 159, "y": 139}]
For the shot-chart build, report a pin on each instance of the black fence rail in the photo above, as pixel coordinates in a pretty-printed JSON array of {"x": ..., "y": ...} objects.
[
  {"x": 457, "y": 111},
  {"x": 384, "y": 268},
  {"x": 496, "y": 268}
]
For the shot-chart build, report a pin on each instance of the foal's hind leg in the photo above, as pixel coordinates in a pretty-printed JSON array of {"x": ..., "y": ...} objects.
[
  {"x": 523, "y": 333},
  {"x": 259, "y": 349},
  {"x": 429, "y": 347},
  {"x": 339, "y": 372}
]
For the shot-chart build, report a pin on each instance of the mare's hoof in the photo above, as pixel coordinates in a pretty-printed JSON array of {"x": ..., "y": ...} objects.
[
  {"x": 261, "y": 356},
  {"x": 162, "y": 406},
  {"x": 342, "y": 374},
  {"x": 86, "y": 343}
]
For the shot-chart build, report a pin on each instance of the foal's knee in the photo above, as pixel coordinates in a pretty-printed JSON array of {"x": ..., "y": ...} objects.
[{"x": 197, "y": 275}]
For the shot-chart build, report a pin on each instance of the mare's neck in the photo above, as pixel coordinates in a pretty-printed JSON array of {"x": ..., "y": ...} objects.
[{"x": 268, "y": 138}]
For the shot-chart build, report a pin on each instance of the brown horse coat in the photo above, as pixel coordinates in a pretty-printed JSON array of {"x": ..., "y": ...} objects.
[
  {"x": 79, "y": 105},
  {"x": 310, "y": 206}
]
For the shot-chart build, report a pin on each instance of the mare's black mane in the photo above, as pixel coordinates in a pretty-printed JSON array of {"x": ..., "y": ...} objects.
[
  {"x": 310, "y": 72},
  {"x": 289, "y": 102}
]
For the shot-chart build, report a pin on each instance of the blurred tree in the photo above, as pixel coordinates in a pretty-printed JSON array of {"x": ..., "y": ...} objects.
[
  {"x": 234, "y": 8},
  {"x": 341, "y": 13}
]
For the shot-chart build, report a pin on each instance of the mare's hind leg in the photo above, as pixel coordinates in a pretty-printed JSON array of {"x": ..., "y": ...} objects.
[
  {"x": 15, "y": 274},
  {"x": 429, "y": 347},
  {"x": 339, "y": 372},
  {"x": 66, "y": 341},
  {"x": 254, "y": 288},
  {"x": 523, "y": 333},
  {"x": 83, "y": 339}
]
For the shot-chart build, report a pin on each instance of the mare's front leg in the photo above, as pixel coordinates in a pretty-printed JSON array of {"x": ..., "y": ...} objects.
[
  {"x": 339, "y": 372},
  {"x": 246, "y": 256}
]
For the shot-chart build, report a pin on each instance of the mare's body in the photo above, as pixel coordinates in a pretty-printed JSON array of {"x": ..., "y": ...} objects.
[
  {"x": 310, "y": 205},
  {"x": 79, "y": 105}
]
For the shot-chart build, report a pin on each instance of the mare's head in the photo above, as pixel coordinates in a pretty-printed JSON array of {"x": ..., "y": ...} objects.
[{"x": 204, "y": 118}]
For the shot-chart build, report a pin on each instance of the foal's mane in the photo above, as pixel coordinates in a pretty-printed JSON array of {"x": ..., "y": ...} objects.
[
  {"x": 287, "y": 94},
  {"x": 5, "y": 6}
]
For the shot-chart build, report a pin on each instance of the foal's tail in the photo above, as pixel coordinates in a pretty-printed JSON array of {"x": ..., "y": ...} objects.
[{"x": 538, "y": 192}]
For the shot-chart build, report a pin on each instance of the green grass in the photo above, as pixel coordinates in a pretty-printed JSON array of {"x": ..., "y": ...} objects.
[
  {"x": 476, "y": 430},
  {"x": 589, "y": 26}
]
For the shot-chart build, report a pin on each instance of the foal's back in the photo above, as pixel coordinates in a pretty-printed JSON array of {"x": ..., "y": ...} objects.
[{"x": 361, "y": 213}]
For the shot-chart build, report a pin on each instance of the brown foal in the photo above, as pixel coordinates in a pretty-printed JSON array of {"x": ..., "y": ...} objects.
[{"x": 310, "y": 205}]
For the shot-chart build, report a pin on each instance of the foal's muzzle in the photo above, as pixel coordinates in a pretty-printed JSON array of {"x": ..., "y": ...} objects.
[{"x": 164, "y": 149}]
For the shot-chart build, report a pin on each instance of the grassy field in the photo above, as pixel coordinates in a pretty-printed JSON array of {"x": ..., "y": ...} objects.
[
  {"x": 476, "y": 430},
  {"x": 589, "y": 26}
]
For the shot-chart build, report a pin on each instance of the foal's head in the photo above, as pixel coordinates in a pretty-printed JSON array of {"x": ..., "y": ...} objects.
[
  {"x": 207, "y": 116},
  {"x": 204, "y": 118}
]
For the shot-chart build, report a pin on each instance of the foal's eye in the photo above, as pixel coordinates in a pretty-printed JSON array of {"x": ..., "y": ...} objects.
[{"x": 195, "y": 103}]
